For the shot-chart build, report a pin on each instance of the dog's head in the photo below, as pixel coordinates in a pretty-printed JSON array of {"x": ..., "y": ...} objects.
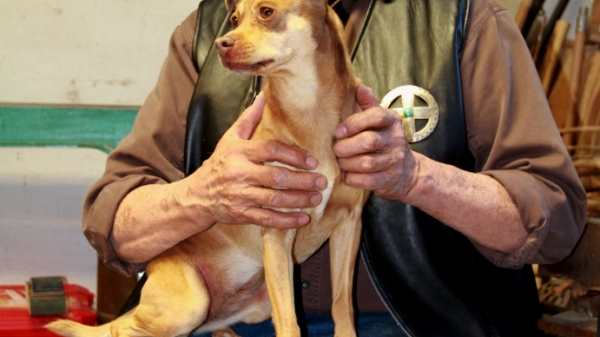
[{"x": 270, "y": 35}]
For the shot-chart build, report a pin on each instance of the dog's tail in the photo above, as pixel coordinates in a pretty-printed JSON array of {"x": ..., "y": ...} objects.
[{"x": 68, "y": 328}]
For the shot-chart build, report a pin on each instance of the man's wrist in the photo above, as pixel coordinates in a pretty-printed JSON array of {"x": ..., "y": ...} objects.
[
  {"x": 412, "y": 188},
  {"x": 192, "y": 205}
]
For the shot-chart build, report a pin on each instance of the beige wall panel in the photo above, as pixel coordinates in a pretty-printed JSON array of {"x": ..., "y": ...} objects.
[{"x": 84, "y": 52}]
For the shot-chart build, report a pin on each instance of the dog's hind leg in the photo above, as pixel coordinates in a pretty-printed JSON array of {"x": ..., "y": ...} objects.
[
  {"x": 173, "y": 302},
  {"x": 343, "y": 247},
  {"x": 277, "y": 256}
]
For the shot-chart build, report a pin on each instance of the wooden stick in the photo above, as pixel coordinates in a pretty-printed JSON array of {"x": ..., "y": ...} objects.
[
  {"x": 559, "y": 289},
  {"x": 595, "y": 106},
  {"x": 538, "y": 44},
  {"x": 551, "y": 56},
  {"x": 559, "y": 92},
  {"x": 589, "y": 115},
  {"x": 578, "y": 56},
  {"x": 587, "y": 128},
  {"x": 594, "y": 24},
  {"x": 557, "y": 13},
  {"x": 590, "y": 90},
  {"x": 522, "y": 12}
]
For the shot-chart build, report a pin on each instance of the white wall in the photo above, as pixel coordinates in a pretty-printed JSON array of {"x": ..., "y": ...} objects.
[
  {"x": 69, "y": 52},
  {"x": 98, "y": 52},
  {"x": 84, "y": 52},
  {"x": 41, "y": 196}
]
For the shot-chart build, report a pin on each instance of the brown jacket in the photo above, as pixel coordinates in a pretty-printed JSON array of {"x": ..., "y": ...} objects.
[{"x": 508, "y": 123}]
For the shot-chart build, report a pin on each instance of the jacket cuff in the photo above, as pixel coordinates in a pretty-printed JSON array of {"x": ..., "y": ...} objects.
[{"x": 99, "y": 224}]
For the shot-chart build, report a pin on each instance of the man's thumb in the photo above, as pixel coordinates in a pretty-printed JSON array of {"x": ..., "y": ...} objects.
[
  {"x": 365, "y": 97},
  {"x": 246, "y": 124}
]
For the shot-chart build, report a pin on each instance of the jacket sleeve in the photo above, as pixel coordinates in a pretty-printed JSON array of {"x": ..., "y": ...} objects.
[
  {"x": 514, "y": 139},
  {"x": 151, "y": 154}
]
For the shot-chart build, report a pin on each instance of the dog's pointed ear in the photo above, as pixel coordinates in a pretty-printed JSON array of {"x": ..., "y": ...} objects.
[
  {"x": 322, "y": 3},
  {"x": 230, "y": 4}
]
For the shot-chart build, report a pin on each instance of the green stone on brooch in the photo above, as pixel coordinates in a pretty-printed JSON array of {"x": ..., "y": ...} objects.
[{"x": 409, "y": 112}]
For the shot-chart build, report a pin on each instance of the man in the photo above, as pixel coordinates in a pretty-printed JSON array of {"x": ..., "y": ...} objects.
[{"x": 454, "y": 217}]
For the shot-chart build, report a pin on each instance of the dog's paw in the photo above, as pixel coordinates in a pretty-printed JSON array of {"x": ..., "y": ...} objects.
[{"x": 225, "y": 332}]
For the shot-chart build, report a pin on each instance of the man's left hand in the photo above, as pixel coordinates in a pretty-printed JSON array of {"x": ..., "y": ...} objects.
[{"x": 373, "y": 151}]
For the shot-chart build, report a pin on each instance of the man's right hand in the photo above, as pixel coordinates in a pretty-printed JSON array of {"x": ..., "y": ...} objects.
[
  {"x": 236, "y": 187},
  {"x": 232, "y": 186}
]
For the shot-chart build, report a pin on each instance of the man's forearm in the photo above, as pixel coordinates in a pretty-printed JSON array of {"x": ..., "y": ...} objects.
[
  {"x": 474, "y": 204},
  {"x": 150, "y": 220}
]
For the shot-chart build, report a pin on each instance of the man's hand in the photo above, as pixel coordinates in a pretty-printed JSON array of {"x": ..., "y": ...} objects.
[
  {"x": 373, "y": 151},
  {"x": 235, "y": 186}
]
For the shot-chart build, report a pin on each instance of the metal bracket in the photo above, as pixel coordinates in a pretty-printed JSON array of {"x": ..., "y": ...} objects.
[{"x": 46, "y": 296}]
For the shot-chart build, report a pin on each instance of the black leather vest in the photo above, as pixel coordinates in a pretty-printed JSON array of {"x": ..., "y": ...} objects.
[{"x": 430, "y": 277}]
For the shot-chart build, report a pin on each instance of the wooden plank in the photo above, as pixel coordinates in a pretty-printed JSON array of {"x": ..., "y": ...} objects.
[{"x": 113, "y": 290}]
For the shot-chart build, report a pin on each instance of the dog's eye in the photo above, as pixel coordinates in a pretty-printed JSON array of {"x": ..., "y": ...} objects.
[
  {"x": 266, "y": 12},
  {"x": 234, "y": 21}
]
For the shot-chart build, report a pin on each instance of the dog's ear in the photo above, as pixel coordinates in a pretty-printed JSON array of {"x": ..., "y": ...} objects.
[
  {"x": 323, "y": 4},
  {"x": 230, "y": 4}
]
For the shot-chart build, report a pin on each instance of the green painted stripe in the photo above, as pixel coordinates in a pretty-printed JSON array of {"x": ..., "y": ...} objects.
[{"x": 101, "y": 128}]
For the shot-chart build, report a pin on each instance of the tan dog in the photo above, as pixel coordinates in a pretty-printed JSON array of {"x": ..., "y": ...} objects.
[{"x": 233, "y": 273}]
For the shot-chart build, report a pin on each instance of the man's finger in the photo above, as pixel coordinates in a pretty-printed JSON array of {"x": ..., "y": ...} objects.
[
  {"x": 275, "y": 151},
  {"x": 244, "y": 127},
  {"x": 366, "y": 181},
  {"x": 269, "y": 218},
  {"x": 278, "y": 177},
  {"x": 362, "y": 143},
  {"x": 371, "y": 119},
  {"x": 366, "y": 99},
  {"x": 371, "y": 163},
  {"x": 274, "y": 198}
]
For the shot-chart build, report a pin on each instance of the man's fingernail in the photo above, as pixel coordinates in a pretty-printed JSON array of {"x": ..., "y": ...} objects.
[
  {"x": 311, "y": 162},
  {"x": 340, "y": 132},
  {"x": 315, "y": 199},
  {"x": 321, "y": 182},
  {"x": 303, "y": 219}
]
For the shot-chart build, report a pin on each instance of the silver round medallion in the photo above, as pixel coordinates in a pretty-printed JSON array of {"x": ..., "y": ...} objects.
[{"x": 409, "y": 113}]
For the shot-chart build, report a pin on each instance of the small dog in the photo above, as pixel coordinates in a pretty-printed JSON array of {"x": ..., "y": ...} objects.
[{"x": 233, "y": 273}]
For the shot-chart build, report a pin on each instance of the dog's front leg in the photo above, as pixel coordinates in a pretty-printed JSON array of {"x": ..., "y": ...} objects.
[
  {"x": 343, "y": 247},
  {"x": 277, "y": 256}
]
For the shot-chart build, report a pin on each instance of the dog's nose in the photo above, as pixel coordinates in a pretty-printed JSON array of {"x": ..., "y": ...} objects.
[{"x": 224, "y": 42}]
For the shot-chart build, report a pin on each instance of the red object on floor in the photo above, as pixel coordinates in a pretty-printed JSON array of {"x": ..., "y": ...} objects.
[{"x": 15, "y": 320}]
